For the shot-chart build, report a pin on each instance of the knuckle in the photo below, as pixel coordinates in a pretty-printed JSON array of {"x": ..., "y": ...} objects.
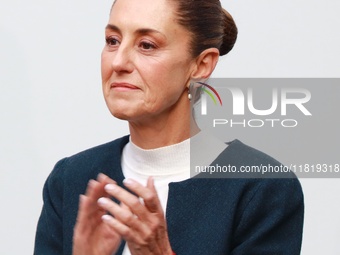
[
  {"x": 128, "y": 217},
  {"x": 150, "y": 197},
  {"x": 154, "y": 225},
  {"x": 149, "y": 236},
  {"x": 135, "y": 203},
  {"x": 126, "y": 233}
]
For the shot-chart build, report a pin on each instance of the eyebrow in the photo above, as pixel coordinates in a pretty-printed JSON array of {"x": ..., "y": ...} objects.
[
  {"x": 141, "y": 31},
  {"x": 112, "y": 27}
]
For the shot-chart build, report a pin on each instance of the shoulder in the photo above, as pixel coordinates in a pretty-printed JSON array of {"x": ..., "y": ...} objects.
[
  {"x": 100, "y": 152},
  {"x": 255, "y": 176},
  {"x": 246, "y": 154},
  {"x": 85, "y": 165},
  {"x": 250, "y": 179},
  {"x": 242, "y": 161}
]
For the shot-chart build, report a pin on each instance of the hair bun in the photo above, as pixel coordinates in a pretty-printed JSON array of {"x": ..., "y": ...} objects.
[{"x": 230, "y": 33}]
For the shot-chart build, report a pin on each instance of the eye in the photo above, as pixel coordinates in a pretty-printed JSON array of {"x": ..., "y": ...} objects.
[
  {"x": 111, "y": 41},
  {"x": 147, "y": 45}
]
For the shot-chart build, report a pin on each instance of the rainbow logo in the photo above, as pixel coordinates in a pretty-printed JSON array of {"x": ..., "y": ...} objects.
[{"x": 211, "y": 94}]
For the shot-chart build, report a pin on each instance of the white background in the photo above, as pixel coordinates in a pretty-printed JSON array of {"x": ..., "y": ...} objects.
[{"x": 51, "y": 104}]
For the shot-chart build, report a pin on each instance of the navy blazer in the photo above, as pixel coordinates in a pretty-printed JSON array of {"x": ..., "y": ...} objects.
[{"x": 205, "y": 216}]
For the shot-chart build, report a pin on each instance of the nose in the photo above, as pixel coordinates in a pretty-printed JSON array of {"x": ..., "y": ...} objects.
[{"x": 122, "y": 59}]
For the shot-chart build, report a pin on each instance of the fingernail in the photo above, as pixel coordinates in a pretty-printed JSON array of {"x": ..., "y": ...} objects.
[
  {"x": 128, "y": 182},
  {"x": 101, "y": 176},
  {"x": 102, "y": 201},
  {"x": 81, "y": 198},
  {"x": 106, "y": 217},
  {"x": 92, "y": 183},
  {"x": 110, "y": 187}
]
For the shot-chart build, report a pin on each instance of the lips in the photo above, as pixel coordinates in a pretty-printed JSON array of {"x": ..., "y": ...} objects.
[{"x": 123, "y": 86}]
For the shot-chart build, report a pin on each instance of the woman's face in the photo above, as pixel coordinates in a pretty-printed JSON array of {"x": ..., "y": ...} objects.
[{"x": 146, "y": 63}]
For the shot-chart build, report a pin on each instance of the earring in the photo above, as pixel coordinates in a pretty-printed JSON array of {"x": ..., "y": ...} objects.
[{"x": 189, "y": 94}]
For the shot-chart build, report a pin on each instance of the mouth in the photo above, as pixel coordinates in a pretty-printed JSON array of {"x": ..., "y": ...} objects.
[{"x": 122, "y": 86}]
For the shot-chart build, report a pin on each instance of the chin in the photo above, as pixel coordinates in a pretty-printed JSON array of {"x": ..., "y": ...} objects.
[
  {"x": 119, "y": 113},
  {"x": 122, "y": 112},
  {"x": 120, "y": 116}
]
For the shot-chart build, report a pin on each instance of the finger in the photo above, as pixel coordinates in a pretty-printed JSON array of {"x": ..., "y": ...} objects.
[
  {"x": 129, "y": 200},
  {"x": 124, "y": 215},
  {"x": 94, "y": 191},
  {"x": 105, "y": 179},
  {"x": 86, "y": 215},
  {"x": 123, "y": 230},
  {"x": 148, "y": 193},
  {"x": 124, "y": 206},
  {"x": 90, "y": 194},
  {"x": 156, "y": 229},
  {"x": 153, "y": 203},
  {"x": 82, "y": 212},
  {"x": 89, "y": 213},
  {"x": 90, "y": 188}
]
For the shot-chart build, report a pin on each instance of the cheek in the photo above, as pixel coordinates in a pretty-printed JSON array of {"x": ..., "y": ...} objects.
[
  {"x": 105, "y": 67},
  {"x": 168, "y": 78},
  {"x": 164, "y": 89},
  {"x": 166, "y": 71}
]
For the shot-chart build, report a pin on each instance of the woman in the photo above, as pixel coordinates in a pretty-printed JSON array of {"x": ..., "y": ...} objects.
[{"x": 154, "y": 50}]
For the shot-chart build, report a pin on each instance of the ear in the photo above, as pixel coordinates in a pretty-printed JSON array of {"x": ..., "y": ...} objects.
[{"x": 205, "y": 64}]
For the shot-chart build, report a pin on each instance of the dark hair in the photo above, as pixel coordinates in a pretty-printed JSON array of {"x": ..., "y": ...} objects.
[{"x": 211, "y": 26}]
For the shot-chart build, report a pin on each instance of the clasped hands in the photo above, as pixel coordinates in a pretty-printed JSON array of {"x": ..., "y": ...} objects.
[{"x": 138, "y": 219}]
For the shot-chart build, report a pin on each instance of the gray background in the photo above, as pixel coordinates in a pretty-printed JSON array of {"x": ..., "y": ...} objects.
[{"x": 52, "y": 106}]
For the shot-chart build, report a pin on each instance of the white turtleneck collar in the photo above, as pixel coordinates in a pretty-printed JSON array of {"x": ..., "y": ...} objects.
[{"x": 169, "y": 160}]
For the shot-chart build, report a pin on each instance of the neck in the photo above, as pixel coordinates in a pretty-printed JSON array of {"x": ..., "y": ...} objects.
[{"x": 166, "y": 129}]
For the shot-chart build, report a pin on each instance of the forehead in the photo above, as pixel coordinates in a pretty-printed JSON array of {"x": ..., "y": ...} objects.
[{"x": 155, "y": 14}]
